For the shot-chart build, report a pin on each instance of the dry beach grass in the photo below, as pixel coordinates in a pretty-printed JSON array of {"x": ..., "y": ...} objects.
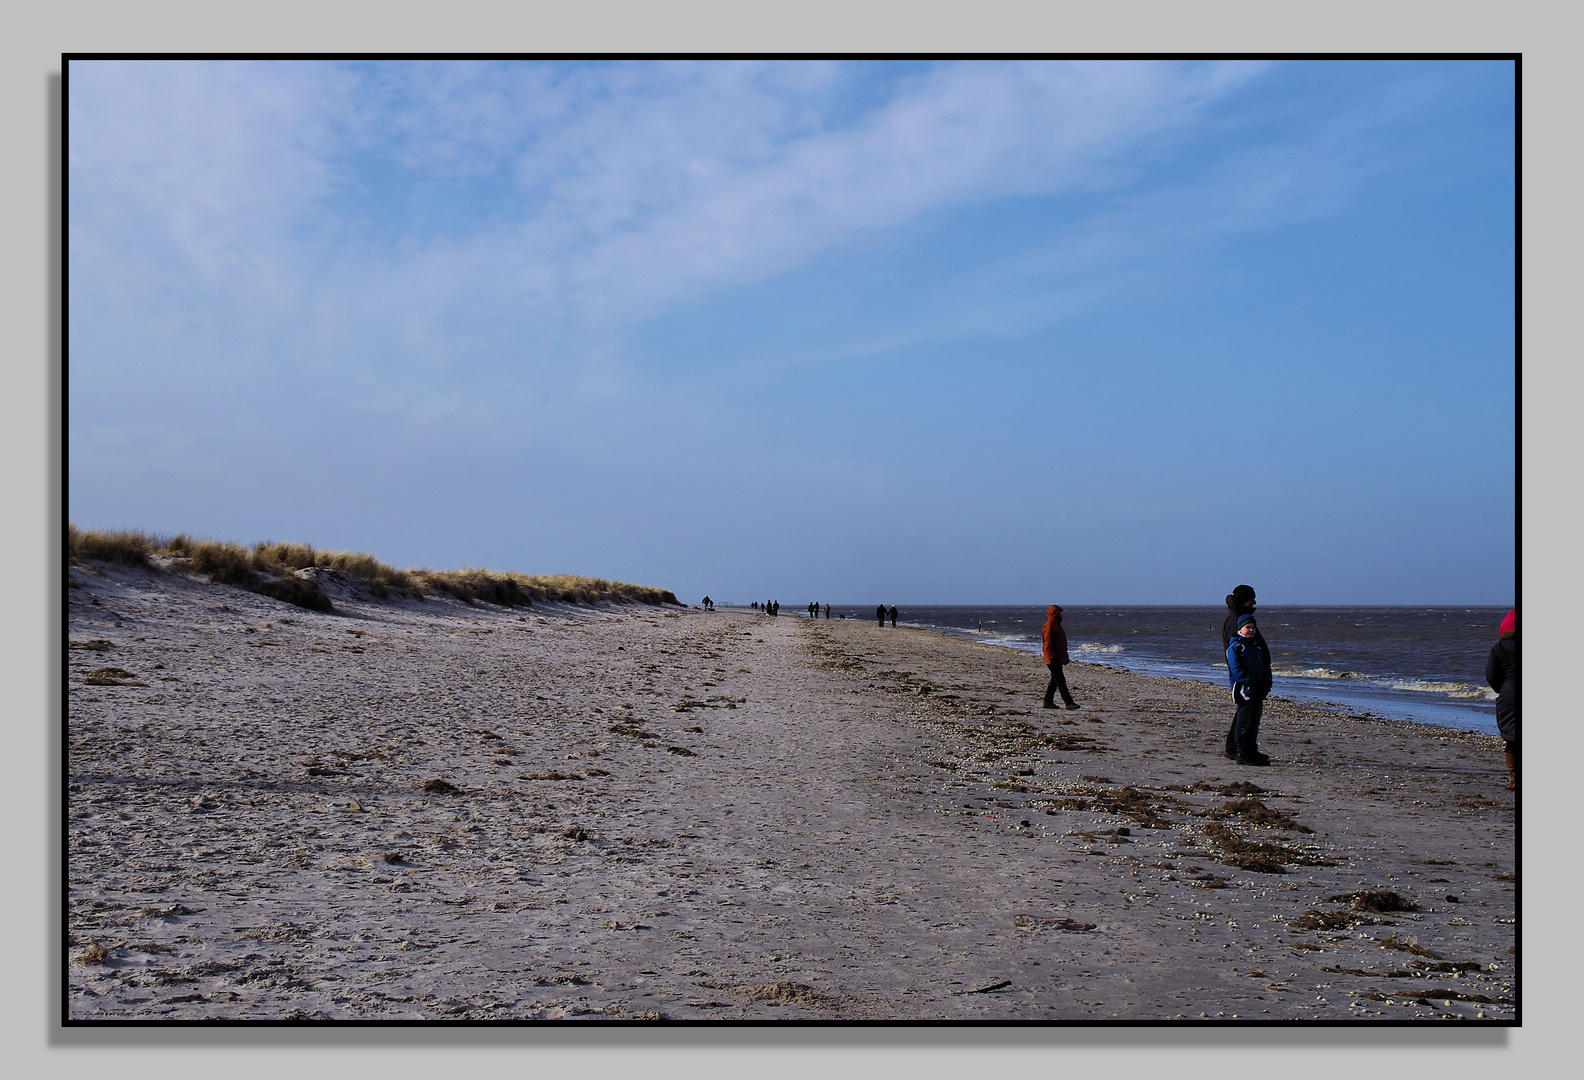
[
  {"x": 417, "y": 807},
  {"x": 293, "y": 572}
]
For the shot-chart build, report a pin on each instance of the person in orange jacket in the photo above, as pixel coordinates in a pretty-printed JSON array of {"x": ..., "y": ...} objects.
[{"x": 1054, "y": 639}]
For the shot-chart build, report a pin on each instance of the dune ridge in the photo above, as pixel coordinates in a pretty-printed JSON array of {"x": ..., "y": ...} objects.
[{"x": 284, "y": 570}]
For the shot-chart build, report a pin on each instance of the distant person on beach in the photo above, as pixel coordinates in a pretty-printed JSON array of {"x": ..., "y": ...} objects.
[
  {"x": 813, "y": 610},
  {"x": 1248, "y": 666},
  {"x": 1501, "y": 671},
  {"x": 709, "y": 605},
  {"x": 880, "y": 615},
  {"x": 892, "y": 613},
  {"x": 1053, "y": 642},
  {"x": 827, "y": 612},
  {"x": 775, "y": 607}
]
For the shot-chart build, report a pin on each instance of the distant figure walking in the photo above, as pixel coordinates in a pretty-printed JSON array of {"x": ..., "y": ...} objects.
[
  {"x": 1248, "y": 666},
  {"x": 892, "y": 613},
  {"x": 827, "y": 612},
  {"x": 813, "y": 610},
  {"x": 1501, "y": 671},
  {"x": 1054, "y": 649},
  {"x": 709, "y": 605},
  {"x": 880, "y": 615},
  {"x": 775, "y": 607},
  {"x": 1239, "y": 602}
]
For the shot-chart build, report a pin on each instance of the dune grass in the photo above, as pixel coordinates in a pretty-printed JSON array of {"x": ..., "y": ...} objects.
[
  {"x": 270, "y": 567},
  {"x": 128, "y": 547}
]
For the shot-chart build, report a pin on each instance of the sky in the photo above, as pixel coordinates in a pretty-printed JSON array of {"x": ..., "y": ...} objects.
[{"x": 904, "y": 332}]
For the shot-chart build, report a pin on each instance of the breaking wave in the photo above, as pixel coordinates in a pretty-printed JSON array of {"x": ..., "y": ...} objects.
[
  {"x": 1315, "y": 672},
  {"x": 1450, "y": 689},
  {"x": 1463, "y": 691}
]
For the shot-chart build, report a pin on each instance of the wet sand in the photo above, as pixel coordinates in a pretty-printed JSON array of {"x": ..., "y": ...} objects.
[{"x": 421, "y": 809}]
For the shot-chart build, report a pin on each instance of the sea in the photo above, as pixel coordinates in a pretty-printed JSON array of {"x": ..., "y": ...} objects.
[{"x": 1425, "y": 664}]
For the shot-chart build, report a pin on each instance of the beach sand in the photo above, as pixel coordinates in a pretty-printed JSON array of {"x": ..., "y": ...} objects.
[{"x": 421, "y": 809}]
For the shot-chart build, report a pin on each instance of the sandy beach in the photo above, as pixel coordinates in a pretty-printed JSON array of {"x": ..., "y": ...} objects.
[{"x": 412, "y": 809}]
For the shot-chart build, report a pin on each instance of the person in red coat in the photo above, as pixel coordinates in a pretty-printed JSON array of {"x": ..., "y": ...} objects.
[
  {"x": 1055, "y": 653},
  {"x": 1501, "y": 671}
]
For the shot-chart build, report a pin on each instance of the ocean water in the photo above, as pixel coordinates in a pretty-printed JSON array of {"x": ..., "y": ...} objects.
[{"x": 1413, "y": 663}]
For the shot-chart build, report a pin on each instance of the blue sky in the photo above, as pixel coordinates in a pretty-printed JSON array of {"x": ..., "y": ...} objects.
[{"x": 923, "y": 333}]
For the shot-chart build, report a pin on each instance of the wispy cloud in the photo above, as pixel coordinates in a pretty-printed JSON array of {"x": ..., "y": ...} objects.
[
  {"x": 409, "y": 234},
  {"x": 573, "y": 199}
]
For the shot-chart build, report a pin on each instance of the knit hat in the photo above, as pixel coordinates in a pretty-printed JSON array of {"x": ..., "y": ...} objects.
[
  {"x": 1244, "y": 620},
  {"x": 1240, "y": 597},
  {"x": 1509, "y": 624}
]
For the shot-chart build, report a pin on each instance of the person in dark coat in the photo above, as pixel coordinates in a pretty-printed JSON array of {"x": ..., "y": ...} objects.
[
  {"x": 892, "y": 614},
  {"x": 880, "y": 616},
  {"x": 1054, "y": 650},
  {"x": 1501, "y": 671},
  {"x": 1239, "y": 602},
  {"x": 1248, "y": 666}
]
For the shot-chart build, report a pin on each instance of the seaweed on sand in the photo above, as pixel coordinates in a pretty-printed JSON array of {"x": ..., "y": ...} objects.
[
  {"x": 1257, "y": 813},
  {"x": 1265, "y": 857},
  {"x": 1331, "y": 920},
  {"x": 1132, "y": 803},
  {"x": 1377, "y": 900},
  {"x": 1408, "y": 945}
]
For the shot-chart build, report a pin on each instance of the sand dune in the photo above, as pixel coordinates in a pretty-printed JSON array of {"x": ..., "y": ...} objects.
[{"x": 422, "y": 809}]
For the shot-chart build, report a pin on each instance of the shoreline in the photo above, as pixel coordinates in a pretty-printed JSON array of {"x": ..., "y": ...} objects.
[
  {"x": 1420, "y": 697},
  {"x": 1477, "y": 722},
  {"x": 691, "y": 815}
]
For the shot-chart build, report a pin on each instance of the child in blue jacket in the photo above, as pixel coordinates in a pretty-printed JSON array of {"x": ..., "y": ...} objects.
[{"x": 1248, "y": 665}]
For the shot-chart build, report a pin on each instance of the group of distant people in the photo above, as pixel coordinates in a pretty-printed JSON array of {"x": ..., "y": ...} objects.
[
  {"x": 1249, "y": 673},
  {"x": 814, "y": 610}
]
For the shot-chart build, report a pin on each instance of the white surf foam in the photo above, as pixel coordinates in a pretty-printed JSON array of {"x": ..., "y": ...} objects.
[
  {"x": 1316, "y": 673},
  {"x": 1450, "y": 689}
]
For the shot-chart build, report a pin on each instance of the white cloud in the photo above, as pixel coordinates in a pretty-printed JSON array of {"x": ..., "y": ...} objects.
[
  {"x": 584, "y": 198},
  {"x": 639, "y": 231},
  {"x": 229, "y": 158},
  {"x": 630, "y": 185}
]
